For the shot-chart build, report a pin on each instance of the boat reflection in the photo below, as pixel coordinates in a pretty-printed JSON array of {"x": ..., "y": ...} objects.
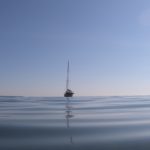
[{"x": 69, "y": 115}]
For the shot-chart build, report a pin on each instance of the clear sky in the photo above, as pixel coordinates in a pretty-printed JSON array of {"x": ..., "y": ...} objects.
[{"x": 106, "y": 41}]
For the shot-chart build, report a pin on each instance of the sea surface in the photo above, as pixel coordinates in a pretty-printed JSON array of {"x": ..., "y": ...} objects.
[{"x": 91, "y": 123}]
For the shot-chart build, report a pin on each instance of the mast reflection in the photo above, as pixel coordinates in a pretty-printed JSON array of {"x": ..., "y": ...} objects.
[{"x": 69, "y": 115}]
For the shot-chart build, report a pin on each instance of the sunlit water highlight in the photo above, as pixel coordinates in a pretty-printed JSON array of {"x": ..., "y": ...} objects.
[{"x": 92, "y": 123}]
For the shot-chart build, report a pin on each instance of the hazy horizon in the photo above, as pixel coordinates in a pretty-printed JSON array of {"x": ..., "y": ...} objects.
[{"x": 107, "y": 43}]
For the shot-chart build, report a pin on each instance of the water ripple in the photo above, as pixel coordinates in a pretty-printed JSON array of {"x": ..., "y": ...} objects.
[{"x": 105, "y": 123}]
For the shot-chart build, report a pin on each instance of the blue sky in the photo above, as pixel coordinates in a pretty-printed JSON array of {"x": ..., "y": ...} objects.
[{"x": 106, "y": 41}]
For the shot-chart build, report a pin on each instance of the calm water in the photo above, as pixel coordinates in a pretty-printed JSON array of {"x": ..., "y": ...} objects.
[{"x": 92, "y": 123}]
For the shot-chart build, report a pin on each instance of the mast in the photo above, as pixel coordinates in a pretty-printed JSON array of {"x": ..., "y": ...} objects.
[{"x": 67, "y": 81}]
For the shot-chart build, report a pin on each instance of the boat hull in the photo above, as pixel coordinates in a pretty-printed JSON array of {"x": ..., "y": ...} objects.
[{"x": 68, "y": 94}]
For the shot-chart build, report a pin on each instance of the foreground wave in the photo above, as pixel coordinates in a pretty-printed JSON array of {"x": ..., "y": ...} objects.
[{"x": 101, "y": 123}]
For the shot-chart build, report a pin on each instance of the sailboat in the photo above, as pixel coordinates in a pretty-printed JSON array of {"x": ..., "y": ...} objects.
[{"x": 68, "y": 92}]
